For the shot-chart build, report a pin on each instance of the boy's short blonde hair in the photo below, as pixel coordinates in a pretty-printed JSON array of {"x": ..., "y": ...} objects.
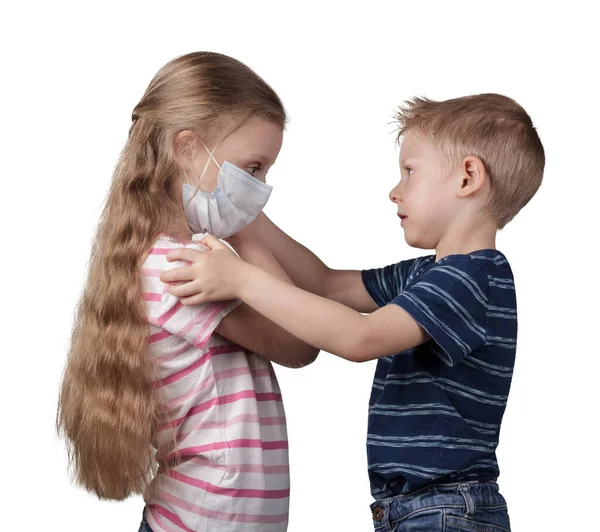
[{"x": 492, "y": 127}]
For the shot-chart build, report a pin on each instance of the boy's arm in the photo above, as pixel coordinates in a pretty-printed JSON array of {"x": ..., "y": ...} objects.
[
  {"x": 325, "y": 324},
  {"x": 308, "y": 272},
  {"x": 329, "y": 325}
]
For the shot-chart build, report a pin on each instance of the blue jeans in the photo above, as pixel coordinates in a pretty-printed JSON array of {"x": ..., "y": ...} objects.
[
  {"x": 462, "y": 507},
  {"x": 144, "y": 526}
]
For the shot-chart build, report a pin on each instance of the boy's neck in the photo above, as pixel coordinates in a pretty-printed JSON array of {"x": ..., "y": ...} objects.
[{"x": 461, "y": 242}]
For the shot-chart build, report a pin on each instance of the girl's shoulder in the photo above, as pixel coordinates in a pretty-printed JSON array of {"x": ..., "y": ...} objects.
[
  {"x": 157, "y": 256},
  {"x": 165, "y": 243},
  {"x": 172, "y": 242},
  {"x": 156, "y": 259}
]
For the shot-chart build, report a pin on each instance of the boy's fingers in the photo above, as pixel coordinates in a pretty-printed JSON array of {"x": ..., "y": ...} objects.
[
  {"x": 185, "y": 273},
  {"x": 184, "y": 290},
  {"x": 196, "y": 299},
  {"x": 212, "y": 242},
  {"x": 187, "y": 254}
]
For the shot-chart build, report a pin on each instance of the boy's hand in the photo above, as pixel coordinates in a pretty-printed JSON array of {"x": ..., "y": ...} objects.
[{"x": 215, "y": 275}]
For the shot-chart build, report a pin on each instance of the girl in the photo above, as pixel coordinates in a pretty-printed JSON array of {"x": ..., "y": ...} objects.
[{"x": 169, "y": 400}]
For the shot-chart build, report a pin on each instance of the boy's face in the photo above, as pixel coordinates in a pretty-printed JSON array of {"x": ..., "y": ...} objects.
[{"x": 425, "y": 196}]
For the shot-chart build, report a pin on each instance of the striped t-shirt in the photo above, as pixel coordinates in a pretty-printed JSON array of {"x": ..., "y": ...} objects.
[
  {"x": 222, "y": 449},
  {"x": 435, "y": 410}
]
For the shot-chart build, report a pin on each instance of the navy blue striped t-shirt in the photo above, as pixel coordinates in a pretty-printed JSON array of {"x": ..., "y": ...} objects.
[{"x": 435, "y": 410}]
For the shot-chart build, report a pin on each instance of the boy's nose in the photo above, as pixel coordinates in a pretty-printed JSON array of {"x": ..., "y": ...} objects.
[{"x": 395, "y": 195}]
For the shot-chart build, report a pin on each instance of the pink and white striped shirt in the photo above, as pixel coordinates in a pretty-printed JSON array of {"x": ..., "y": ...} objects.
[{"x": 225, "y": 423}]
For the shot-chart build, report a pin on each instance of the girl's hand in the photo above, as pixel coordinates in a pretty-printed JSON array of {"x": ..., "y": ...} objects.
[{"x": 215, "y": 275}]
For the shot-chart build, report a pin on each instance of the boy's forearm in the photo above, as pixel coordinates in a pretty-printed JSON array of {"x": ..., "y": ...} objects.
[
  {"x": 261, "y": 256},
  {"x": 325, "y": 324},
  {"x": 308, "y": 272},
  {"x": 303, "y": 267}
]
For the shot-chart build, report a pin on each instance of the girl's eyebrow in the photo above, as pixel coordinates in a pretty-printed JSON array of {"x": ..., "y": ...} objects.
[
  {"x": 407, "y": 161},
  {"x": 261, "y": 158}
]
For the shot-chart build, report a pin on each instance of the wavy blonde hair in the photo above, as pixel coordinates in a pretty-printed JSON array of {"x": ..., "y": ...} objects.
[{"x": 108, "y": 407}]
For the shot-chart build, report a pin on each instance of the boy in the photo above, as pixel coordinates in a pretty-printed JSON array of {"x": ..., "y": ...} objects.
[{"x": 443, "y": 327}]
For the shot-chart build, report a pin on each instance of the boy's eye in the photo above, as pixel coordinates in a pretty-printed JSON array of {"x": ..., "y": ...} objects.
[{"x": 252, "y": 170}]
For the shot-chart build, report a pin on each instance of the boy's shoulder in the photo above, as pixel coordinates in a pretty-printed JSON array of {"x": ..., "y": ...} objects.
[
  {"x": 486, "y": 262},
  {"x": 473, "y": 270},
  {"x": 408, "y": 268},
  {"x": 480, "y": 280},
  {"x": 465, "y": 302},
  {"x": 476, "y": 272}
]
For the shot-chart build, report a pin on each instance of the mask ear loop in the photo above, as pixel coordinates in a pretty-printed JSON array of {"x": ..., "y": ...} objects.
[
  {"x": 187, "y": 178},
  {"x": 210, "y": 157},
  {"x": 208, "y": 160}
]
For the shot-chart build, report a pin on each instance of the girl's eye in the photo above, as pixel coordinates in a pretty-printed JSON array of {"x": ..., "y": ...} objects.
[
  {"x": 252, "y": 170},
  {"x": 409, "y": 171}
]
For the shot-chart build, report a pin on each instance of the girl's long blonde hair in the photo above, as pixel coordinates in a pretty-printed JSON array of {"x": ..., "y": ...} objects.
[{"x": 107, "y": 408}]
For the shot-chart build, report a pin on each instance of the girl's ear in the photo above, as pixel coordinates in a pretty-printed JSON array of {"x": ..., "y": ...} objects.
[
  {"x": 473, "y": 176},
  {"x": 185, "y": 145}
]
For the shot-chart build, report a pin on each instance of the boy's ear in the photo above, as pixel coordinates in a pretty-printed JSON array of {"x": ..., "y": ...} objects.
[{"x": 473, "y": 176}]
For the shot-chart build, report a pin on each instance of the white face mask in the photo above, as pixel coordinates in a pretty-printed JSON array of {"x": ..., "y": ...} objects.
[{"x": 235, "y": 203}]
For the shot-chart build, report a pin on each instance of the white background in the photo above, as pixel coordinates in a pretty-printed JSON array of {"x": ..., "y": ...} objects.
[{"x": 72, "y": 73}]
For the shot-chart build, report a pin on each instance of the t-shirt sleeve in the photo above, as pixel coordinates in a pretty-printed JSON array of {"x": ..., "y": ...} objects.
[
  {"x": 450, "y": 302},
  {"x": 384, "y": 284},
  {"x": 195, "y": 323}
]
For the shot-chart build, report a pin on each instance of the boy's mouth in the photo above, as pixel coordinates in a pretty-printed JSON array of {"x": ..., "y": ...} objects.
[{"x": 402, "y": 217}]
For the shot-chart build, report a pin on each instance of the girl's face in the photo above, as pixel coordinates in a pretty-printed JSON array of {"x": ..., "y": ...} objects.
[{"x": 253, "y": 148}]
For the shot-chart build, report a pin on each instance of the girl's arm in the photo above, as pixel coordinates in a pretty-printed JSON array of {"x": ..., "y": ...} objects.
[{"x": 246, "y": 327}]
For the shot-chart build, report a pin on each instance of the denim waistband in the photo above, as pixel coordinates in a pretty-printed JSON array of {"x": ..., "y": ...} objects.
[{"x": 466, "y": 495}]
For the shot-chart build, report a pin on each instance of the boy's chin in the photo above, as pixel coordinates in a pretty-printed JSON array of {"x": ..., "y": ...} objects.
[{"x": 417, "y": 243}]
